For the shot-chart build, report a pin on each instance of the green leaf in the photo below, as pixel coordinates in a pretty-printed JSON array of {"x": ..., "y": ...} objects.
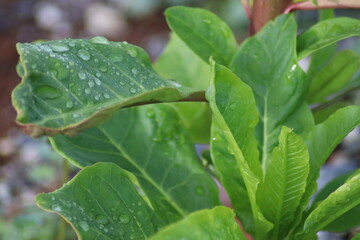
[
  {"x": 204, "y": 32},
  {"x": 179, "y": 62},
  {"x": 285, "y": 181},
  {"x": 339, "y": 202},
  {"x": 70, "y": 85},
  {"x": 347, "y": 221},
  {"x": 326, "y": 33},
  {"x": 234, "y": 147},
  {"x": 323, "y": 139},
  {"x": 100, "y": 202},
  {"x": 356, "y": 237},
  {"x": 320, "y": 115},
  {"x": 267, "y": 62},
  {"x": 218, "y": 223},
  {"x": 150, "y": 142},
  {"x": 334, "y": 76}
]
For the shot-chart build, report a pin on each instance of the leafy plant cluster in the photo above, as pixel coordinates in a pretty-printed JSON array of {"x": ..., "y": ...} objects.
[{"x": 140, "y": 176}]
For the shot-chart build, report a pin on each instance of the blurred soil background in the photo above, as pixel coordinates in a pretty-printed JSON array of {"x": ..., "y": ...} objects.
[{"x": 29, "y": 166}]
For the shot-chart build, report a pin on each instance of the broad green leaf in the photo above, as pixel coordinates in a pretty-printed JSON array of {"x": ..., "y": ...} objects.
[
  {"x": 267, "y": 62},
  {"x": 322, "y": 140},
  {"x": 356, "y": 237},
  {"x": 100, "y": 202},
  {"x": 285, "y": 181},
  {"x": 234, "y": 147},
  {"x": 218, "y": 223},
  {"x": 179, "y": 62},
  {"x": 339, "y": 202},
  {"x": 204, "y": 32},
  {"x": 347, "y": 221},
  {"x": 334, "y": 76},
  {"x": 150, "y": 142},
  {"x": 326, "y": 33},
  {"x": 70, "y": 85}
]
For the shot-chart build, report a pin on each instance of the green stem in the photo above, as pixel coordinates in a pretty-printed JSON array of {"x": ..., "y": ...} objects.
[{"x": 62, "y": 223}]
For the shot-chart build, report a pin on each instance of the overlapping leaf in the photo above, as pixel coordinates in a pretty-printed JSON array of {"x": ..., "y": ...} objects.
[
  {"x": 218, "y": 223},
  {"x": 285, "y": 181},
  {"x": 334, "y": 76},
  {"x": 233, "y": 145},
  {"x": 267, "y": 62},
  {"x": 179, "y": 62},
  {"x": 150, "y": 142},
  {"x": 70, "y": 85},
  {"x": 102, "y": 203},
  {"x": 205, "y": 33},
  {"x": 326, "y": 33},
  {"x": 339, "y": 202}
]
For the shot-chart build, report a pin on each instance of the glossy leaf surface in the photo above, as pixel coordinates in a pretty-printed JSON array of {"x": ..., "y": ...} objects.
[
  {"x": 284, "y": 183},
  {"x": 334, "y": 76},
  {"x": 150, "y": 142},
  {"x": 347, "y": 221},
  {"x": 204, "y": 32},
  {"x": 267, "y": 62},
  {"x": 339, "y": 202},
  {"x": 102, "y": 203},
  {"x": 323, "y": 139},
  {"x": 326, "y": 33},
  {"x": 233, "y": 145},
  {"x": 218, "y": 223},
  {"x": 70, "y": 85}
]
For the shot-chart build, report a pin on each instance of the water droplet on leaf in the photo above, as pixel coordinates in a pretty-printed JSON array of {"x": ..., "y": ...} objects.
[
  {"x": 83, "y": 54},
  {"x": 199, "y": 190},
  {"x": 59, "y": 47},
  {"x": 47, "y": 92},
  {"x": 102, "y": 219},
  {"x": 124, "y": 219},
  {"x": 84, "y": 226},
  {"x": 99, "y": 40},
  {"x": 82, "y": 75}
]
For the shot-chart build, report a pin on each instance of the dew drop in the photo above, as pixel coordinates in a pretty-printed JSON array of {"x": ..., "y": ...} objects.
[
  {"x": 34, "y": 66},
  {"x": 76, "y": 115},
  {"x": 133, "y": 90},
  {"x": 199, "y": 190},
  {"x": 134, "y": 71},
  {"x": 149, "y": 113},
  {"x": 116, "y": 58},
  {"x": 56, "y": 207},
  {"x": 225, "y": 32},
  {"x": 103, "y": 68},
  {"x": 97, "y": 97},
  {"x": 91, "y": 83},
  {"x": 102, "y": 219},
  {"x": 99, "y": 40},
  {"x": 106, "y": 95},
  {"x": 82, "y": 75},
  {"x": 132, "y": 236},
  {"x": 59, "y": 47},
  {"x": 132, "y": 52},
  {"x": 97, "y": 81},
  {"x": 83, "y": 54},
  {"x": 233, "y": 106},
  {"x": 47, "y": 92},
  {"x": 53, "y": 198},
  {"x": 69, "y": 104},
  {"x": 71, "y": 44},
  {"x": 124, "y": 219},
  {"x": 139, "y": 213},
  {"x": 87, "y": 90},
  {"x": 84, "y": 226},
  {"x": 207, "y": 21},
  {"x": 98, "y": 74}
]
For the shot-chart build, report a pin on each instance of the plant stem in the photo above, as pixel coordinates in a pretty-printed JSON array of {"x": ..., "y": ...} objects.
[
  {"x": 264, "y": 11},
  {"x": 62, "y": 223}
]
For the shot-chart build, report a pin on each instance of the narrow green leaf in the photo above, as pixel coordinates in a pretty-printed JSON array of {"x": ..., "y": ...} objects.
[
  {"x": 100, "y": 202},
  {"x": 70, "y": 85},
  {"x": 326, "y": 33},
  {"x": 322, "y": 140},
  {"x": 204, "y": 32},
  {"x": 285, "y": 181},
  {"x": 218, "y": 223},
  {"x": 348, "y": 220},
  {"x": 339, "y": 202},
  {"x": 334, "y": 76},
  {"x": 179, "y": 62},
  {"x": 267, "y": 62},
  {"x": 150, "y": 142},
  {"x": 234, "y": 147}
]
